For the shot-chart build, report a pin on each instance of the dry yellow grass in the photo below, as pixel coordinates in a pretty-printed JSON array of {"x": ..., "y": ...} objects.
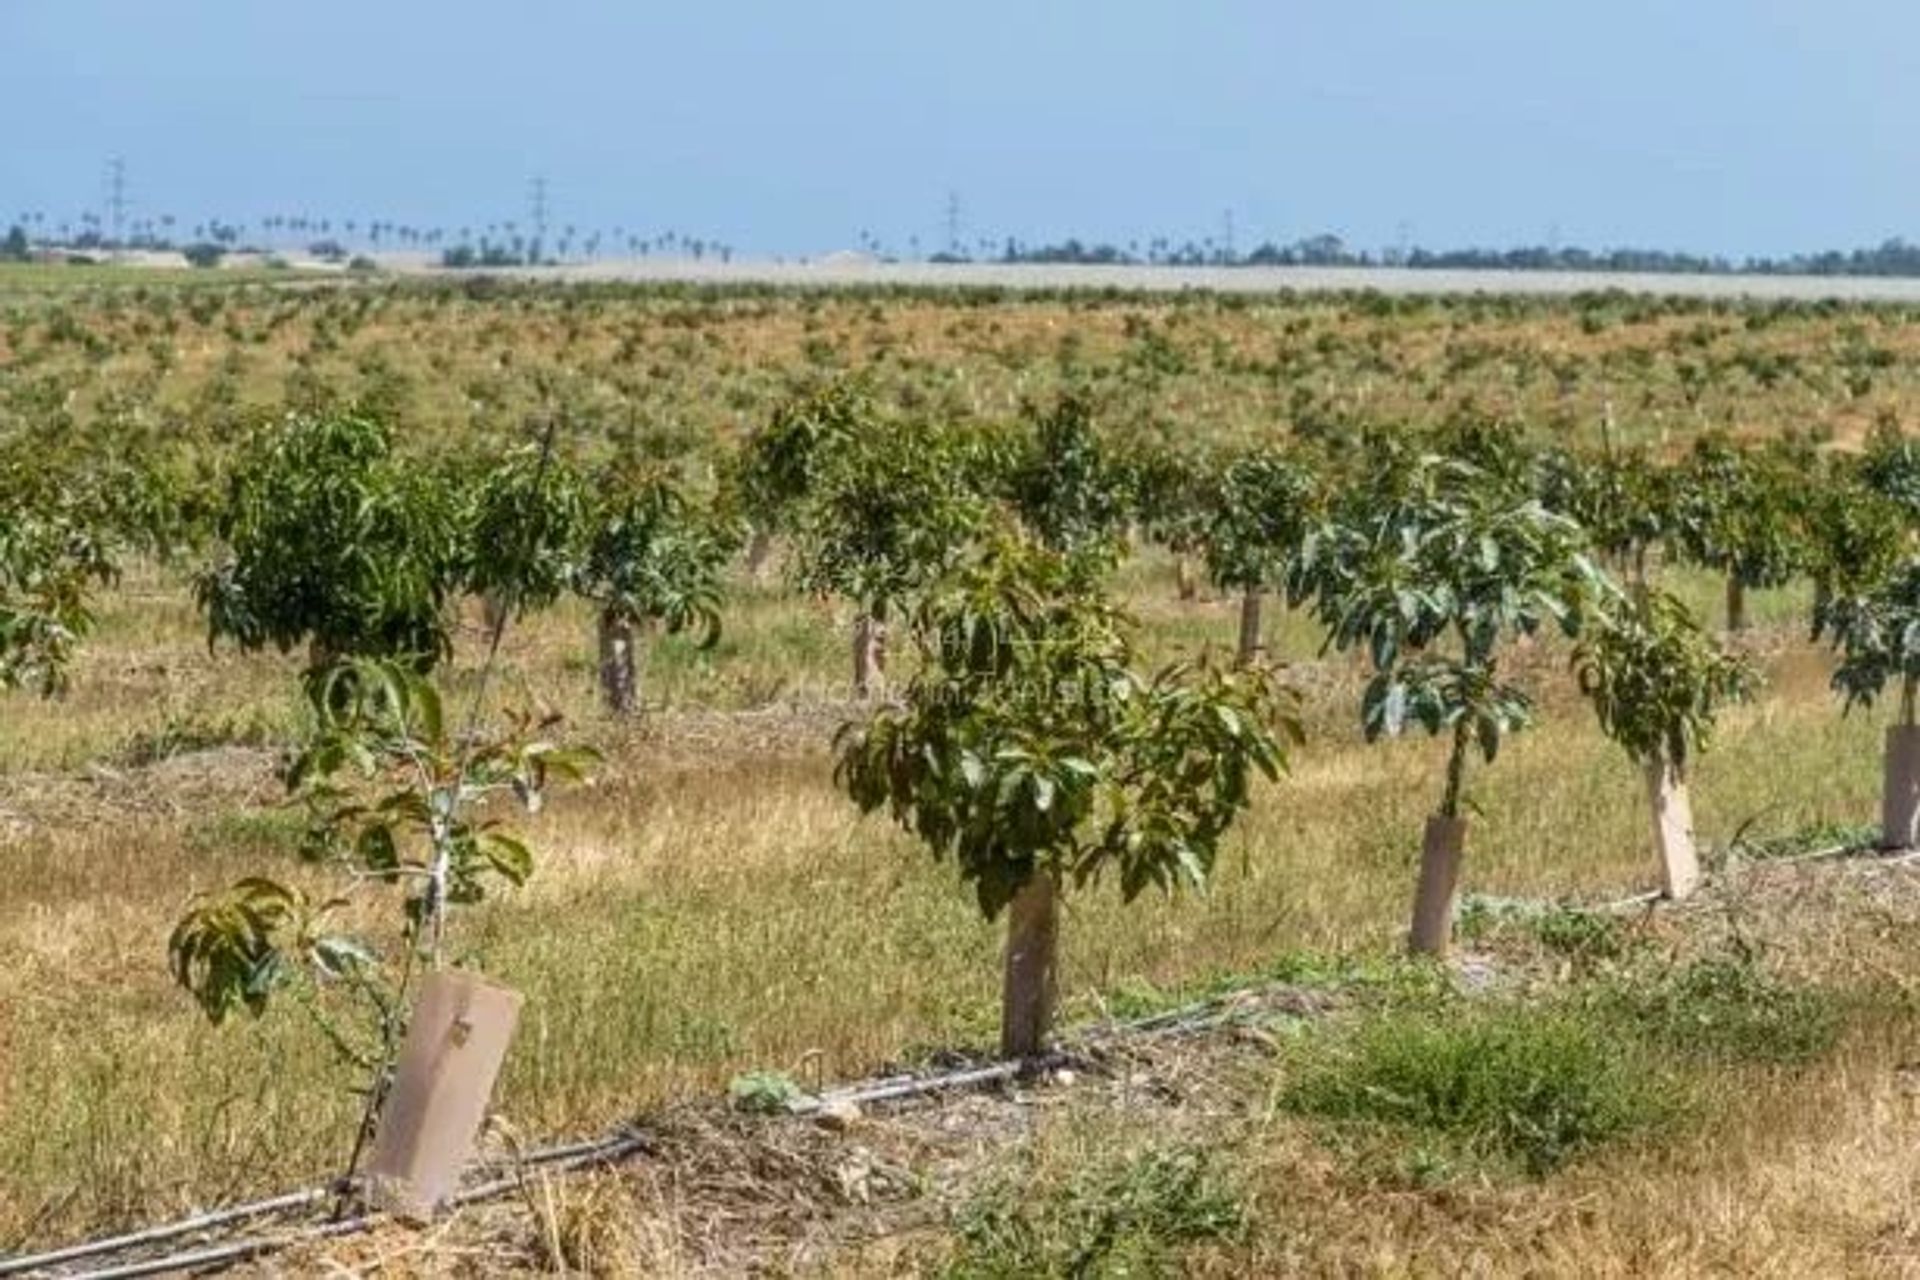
[{"x": 712, "y": 904}]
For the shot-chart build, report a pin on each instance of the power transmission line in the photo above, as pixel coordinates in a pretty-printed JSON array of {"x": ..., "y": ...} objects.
[
  {"x": 537, "y": 202},
  {"x": 116, "y": 200}
]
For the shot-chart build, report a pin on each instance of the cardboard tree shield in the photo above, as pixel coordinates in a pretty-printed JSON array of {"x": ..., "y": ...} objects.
[{"x": 455, "y": 1044}]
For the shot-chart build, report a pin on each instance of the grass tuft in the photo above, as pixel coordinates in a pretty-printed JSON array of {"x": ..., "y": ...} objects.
[
  {"x": 1534, "y": 1088},
  {"x": 1126, "y": 1217}
]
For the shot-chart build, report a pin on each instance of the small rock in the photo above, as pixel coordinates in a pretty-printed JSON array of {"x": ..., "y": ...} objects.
[
  {"x": 1065, "y": 1077},
  {"x": 838, "y": 1115}
]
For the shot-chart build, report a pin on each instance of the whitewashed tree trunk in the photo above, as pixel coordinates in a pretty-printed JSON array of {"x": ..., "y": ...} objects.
[
  {"x": 1673, "y": 842},
  {"x": 759, "y": 550},
  {"x": 1441, "y": 850},
  {"x": 869, "y": 657},
  {"x": 619, "y": 683},
  {"x": 1900, "y": 789},
  {"x": 1183, "y": 576},
  {"x": 1251, "y": 644},
  {"x": 1027, "y": 992}
]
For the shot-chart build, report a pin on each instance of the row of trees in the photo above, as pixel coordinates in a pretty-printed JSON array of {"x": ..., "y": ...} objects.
[{"x": 1028, "y": 745}]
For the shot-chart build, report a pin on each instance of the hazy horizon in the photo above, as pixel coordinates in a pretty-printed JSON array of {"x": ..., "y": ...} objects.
[{"x": 1728, "y": 128}]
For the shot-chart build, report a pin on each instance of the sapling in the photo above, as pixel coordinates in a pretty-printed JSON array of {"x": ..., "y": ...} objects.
[
  {"x": 1261, "y": 534},
  {"x": 1432, "y": 567},
  {"x": 48, "y": 569},
  {"x": 398, "y": 803},
  {"x": 1065, "y": 483},
  {"x": 650, "y": 558},
  {"x": 1737, "y": 512},
  {"x": 329, "y": 538},
  {"x": 1658, "y": 681},
  {"x": 775, "y": 469},
  {"x": 1877, "y": 633},
  {"x": 522, "y": 526},
  {"x": 1029, "y": 751},
  {"x": 1168, "y": 492},
  {"x": 1623, "y": 499},
  {"x": 884, "y": 520}
]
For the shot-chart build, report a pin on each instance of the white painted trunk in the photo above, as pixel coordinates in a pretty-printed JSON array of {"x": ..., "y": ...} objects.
[
  {"x": 1251, "y": 643},
  {"x": 1673, "y": 842},
  {"x": 869, "y": 657},
  {"x": 1027, "y": 991},
  {"x": 759, "y": 550},
  {"x": 1441, "y": 851},
  {"x": 619, "y": 685},
  {"x": 1900, "y": 790}
]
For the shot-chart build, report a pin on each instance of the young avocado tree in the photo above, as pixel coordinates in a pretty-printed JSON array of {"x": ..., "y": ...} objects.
[
  {"x": 1855, "y": 535},
  {"x": 1657, "y": 681},
  {"x": 522, "y": 530},
  {"x": 1029, "y": 751},
  {"x": 774, "y": 472},
  {"x": 1737, "y": 514},
  {"x": 1890, "y": 467},
  {"x": 884, "y": 520},
  {"x": 48, "y": 569},
  {"x": 329, "y": 538},
  {"x": 1432, "y": 567},
  {"x": 649, "y": 559},
  {"x": 1263, "y": 529},
  {"x": 1170, "y": 493},
  {"x": 1622, "y": 498},
  {"x": 1065, "y": 485},
  {"x": 398, "y": 802},
  {"x": 1877, "y": 634}
]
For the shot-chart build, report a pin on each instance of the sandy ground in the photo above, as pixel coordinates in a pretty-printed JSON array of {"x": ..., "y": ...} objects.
[{"x": 841, "y": 270}]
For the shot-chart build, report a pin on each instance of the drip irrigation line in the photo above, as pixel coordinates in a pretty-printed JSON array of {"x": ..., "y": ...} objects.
[
  {"x": 168, "y": 1231},
  {"x": 1186, "y": 1019},
  {"x": 555, "y": 1158}
]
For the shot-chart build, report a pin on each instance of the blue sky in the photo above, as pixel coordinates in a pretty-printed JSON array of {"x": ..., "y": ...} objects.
[{"x": 1710, "y": 125}]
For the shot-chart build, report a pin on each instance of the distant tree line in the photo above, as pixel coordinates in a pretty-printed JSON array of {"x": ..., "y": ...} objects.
[{"x": 1894, "y": 257}]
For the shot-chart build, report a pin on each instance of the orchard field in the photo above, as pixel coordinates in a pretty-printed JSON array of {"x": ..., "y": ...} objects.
[{"x": 1470, "y": 522}]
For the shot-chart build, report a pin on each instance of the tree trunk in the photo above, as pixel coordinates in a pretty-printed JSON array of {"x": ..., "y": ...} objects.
[
  {"x": 1183, "y": 576},
  {"x": 619, "y": 687},
  {"x": 320, "y": 655},
  {"x": 1900, "y": 791},
  {"x": 1673, "y": 829},
  {"x": 759, "y": 548},
  {"x": 1027, "y": 994},
  {"x": 493, "y": 612},
  {"x": 869, "y": 656},
  {"x": 1440, "y": 855},
  {"x": 1250, "y": 641},
  {"x": 1736, "y": 603}
]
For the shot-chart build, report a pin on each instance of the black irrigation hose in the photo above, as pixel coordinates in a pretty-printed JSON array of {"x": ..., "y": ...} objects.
[
  {"x": 569, "y": 1155},
  {"x": 563, "y": 1156},
  {"x": 1198, "y": 1016}
]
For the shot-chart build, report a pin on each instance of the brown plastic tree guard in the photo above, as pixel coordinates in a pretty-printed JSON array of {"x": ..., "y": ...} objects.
[
  {"x": 1900, "y": 793},
  {"x": 1026, "y": 998},
  {"x": 1673, "y": 829},
  {"x": 455, "y": 1044},
  {"x": 1440, "y": 852}
]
